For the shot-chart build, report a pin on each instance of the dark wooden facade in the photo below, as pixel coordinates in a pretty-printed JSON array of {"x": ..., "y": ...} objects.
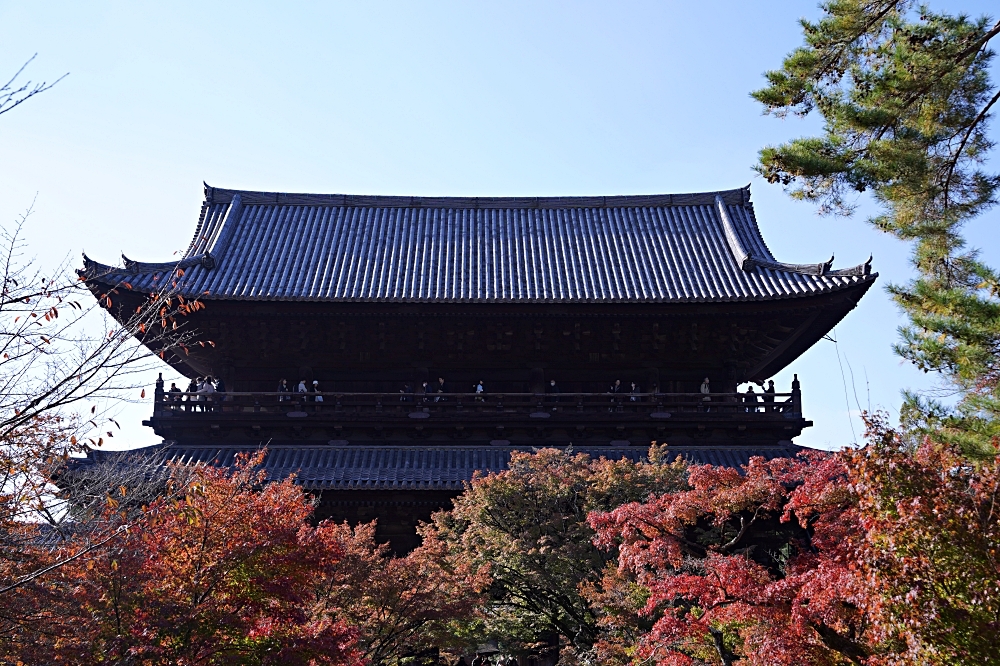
[{"x": 512, "y": 348}]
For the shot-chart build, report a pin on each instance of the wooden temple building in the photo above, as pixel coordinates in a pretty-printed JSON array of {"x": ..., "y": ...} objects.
[{"x": 372, "y": 296}]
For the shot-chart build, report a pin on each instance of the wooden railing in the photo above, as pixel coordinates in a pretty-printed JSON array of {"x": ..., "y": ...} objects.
[{"x": 466, "y": 405}]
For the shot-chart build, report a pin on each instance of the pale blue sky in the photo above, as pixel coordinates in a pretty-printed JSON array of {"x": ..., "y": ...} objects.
[{"x": 489, "y": 99}]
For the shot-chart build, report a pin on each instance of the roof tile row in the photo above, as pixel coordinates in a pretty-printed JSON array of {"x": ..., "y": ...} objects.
[{"x": 407, "y": 467}]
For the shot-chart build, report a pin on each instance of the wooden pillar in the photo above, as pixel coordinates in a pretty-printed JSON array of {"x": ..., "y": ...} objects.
[
  {"x": 652, "y": 381},
  {"x": 537, "y": 381}
]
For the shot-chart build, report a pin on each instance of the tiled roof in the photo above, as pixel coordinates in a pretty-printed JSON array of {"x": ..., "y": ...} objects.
[
  {"x": 660, "y": 248},
  {"x": 409, "y": 467}
]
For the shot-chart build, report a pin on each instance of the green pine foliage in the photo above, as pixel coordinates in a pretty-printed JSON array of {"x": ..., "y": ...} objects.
[{"x": 906, "y": 97}]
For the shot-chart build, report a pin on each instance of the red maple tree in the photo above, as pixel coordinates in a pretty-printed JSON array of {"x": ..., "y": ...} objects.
[
  {"x": 226, "y": 568},
  {"x": 222, "y": 574},
  {"x": 883, "y": 555},
  {"x": 758, "y": 566},
  {"x": 400, "y": 606}
]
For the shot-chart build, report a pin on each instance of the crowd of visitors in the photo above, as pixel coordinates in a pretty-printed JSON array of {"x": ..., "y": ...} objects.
[
  {"x": 203, "y": 394},
  {"x": 303, "y": 390},
  {"x": 751, "y": 399},
  {"x": 437, "y": 392}
]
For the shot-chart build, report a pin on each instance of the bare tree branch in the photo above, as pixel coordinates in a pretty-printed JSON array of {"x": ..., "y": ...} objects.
[{"x": 12, "y": 97}]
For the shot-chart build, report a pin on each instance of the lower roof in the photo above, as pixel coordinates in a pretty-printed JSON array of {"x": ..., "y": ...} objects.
[{"x": 318, "y": 467}]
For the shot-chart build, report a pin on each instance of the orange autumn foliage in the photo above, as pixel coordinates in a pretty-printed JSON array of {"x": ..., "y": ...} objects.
[
  {"x": 222, "y": 575},
  {"x": 226, "y": 568}
]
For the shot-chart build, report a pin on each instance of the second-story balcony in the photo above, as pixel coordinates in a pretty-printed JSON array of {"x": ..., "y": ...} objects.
[{"x": 497, "y": 418}]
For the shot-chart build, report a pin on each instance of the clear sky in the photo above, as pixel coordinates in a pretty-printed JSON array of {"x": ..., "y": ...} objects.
[{"x": 429, "y": 98}]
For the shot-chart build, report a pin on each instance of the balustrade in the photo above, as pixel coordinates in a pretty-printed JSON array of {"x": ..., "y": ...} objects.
[{"x": 468, "y": 405}]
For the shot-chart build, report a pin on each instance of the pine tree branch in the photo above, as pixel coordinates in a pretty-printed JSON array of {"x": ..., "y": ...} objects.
[
  {"x": 958, "y": 153},
  {"x": 979, "y": 43}
]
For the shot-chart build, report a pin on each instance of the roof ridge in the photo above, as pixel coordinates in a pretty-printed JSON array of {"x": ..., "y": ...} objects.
[{"x": 218, "y": 195}]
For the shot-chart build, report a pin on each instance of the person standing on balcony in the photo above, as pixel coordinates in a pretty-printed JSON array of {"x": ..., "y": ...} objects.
[
  {"x": 553, "y": 390},
  {"x": 750, "y": 400},
  {"x": 634, "y": 393},
  {"x": 706, "y": 390},
  {"x": 441, "y": 390},
  {"x": 616, "y": 388},
  {"x": 175, "y": 396},
  {"x": 769, "y": 397},
  {"x": 205, "y": 391},
  {"x": 191, "y": 398},
  {"x": 317, "y": 394},
  {"x": 302, "y": 393},
  {"x": 220, "y": 388},
  {"x": 283, "y": 390},
  {"x": 480, "y": 391}
]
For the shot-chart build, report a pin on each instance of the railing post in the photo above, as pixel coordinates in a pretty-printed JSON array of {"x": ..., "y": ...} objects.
[
  {"x": 158, "y": 395},
  {"x": 796, "y": 395}
]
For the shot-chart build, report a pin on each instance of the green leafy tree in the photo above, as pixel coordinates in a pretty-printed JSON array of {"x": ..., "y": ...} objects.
[
  {"x": 527, "y": 526},
  {"x": 906, "y": 97}
]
